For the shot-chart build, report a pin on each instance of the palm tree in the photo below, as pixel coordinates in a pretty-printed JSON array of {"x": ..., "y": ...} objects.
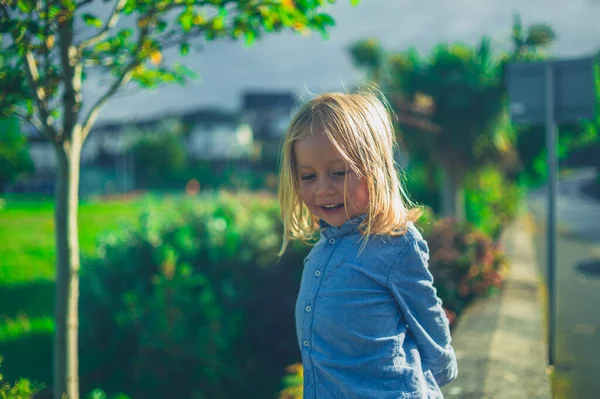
[{"x": 451, "y": 111}]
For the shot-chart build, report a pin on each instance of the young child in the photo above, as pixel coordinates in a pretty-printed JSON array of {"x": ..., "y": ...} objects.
[{"x": 368, "y": 320}]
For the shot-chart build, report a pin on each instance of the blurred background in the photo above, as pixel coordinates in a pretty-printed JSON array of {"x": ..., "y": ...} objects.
[{"x": 182, "y": 293}]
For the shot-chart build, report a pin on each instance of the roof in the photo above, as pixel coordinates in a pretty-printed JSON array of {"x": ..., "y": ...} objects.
[
  {"x": 209, "y": 115},
  {"x": 268, "y": 99}
]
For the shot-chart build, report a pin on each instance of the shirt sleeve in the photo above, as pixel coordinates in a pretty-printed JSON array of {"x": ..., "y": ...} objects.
[{"x": 412, "y": 285}]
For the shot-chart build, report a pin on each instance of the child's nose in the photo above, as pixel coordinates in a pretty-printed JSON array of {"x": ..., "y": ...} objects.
[{"x": 324, "y": 188}]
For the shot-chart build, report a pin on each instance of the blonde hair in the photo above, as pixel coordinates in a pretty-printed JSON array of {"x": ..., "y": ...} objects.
[{"x": 360, "y": 128}]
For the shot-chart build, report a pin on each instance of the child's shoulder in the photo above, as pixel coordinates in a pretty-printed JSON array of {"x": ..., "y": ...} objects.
[{"x": 399, "y": 243}]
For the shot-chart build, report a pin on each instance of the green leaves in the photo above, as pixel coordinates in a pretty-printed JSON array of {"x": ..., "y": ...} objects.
[
  {"x": 320, "y": 23},
  {"x": 91, "y": 20},
  {"x": 7, "y": 25},
  {"x": 26, "y": 6},
  {"x": 184, "y": 48},
  {"x": 186, "y": 20}
]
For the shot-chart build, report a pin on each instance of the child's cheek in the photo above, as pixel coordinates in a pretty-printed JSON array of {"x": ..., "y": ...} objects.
[
  {"x": 305, "y": 197},
  {"x": 362, "y": 196},
  {"x": 360, "y": 191}
]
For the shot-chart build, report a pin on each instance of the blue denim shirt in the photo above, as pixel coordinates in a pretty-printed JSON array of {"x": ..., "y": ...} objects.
[{"x": 370, "y": 324}]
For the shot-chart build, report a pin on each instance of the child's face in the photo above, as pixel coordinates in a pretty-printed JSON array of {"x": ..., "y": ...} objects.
[{"x": 321, "y": 174}]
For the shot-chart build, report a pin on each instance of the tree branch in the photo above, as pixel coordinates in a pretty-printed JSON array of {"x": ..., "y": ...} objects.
[
  {"x": 71, "y": 77},
  {"x": 168, "y": 43},
  {"x": 35, "y": 122},
  {"x": 83, "y": 3},
  {"x": 38, "y": 95},
  {"x": 110, "y": 23},
  {"x": 121, "y": 80},
  {"x": 104, "y": 62}
]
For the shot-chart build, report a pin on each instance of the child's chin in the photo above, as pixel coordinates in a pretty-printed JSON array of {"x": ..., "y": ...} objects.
[{"x": 336, "y": 221}]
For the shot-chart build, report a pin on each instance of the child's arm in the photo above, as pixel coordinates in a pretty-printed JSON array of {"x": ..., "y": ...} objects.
[{"x": 412, "y": 285}]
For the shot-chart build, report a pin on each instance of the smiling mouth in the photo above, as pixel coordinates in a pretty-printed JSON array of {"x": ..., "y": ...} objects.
[{"x": 329, "y": 208}]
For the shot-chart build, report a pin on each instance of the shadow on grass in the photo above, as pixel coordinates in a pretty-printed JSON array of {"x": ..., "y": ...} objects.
[
  {"x": 30, "y": 354},
  {"x": 34, "y": 299},
  {"x": 28, "y": 357}
]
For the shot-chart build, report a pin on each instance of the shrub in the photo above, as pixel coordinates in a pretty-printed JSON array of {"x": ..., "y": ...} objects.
[
  {"x": 192, "y": 303},
  {"x": 293, "y": 382},
  {"x": 492, "y": 201},
  {"x": 158, "y": 158},
  {"x": 22, "y": 389},
  {"x": 465, "y": 263},
  {"x": 423, "y": 184},
  {"x": 99, "y": 394},
  {"x": 14, "y": 152}
]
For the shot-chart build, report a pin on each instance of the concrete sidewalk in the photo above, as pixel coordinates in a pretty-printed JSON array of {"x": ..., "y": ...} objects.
[{"x": 500, "y": 342}]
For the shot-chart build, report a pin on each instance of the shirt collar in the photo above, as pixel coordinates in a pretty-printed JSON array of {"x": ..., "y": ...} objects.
[{"x": 348, "y": 227}]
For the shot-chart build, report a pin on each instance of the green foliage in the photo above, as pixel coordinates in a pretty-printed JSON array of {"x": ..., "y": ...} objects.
[
  {"x": 91, "y": 20},
  {"x": 423, "y": 183},
  {"x": 450, "y": 108},
  {"x": 14, "y": 152},
  {"x": 168, "y": 308},
  {"x": 532, "y": 42},
  {"x": 450, "y": 103},
  {"x": 21, "y": 389},
  {"x": 293, "y": 382},
  {"x": 100, "y": 394},
  {"x": 158, "y": 158},
  {"x": 492, "y": 201},
  {"x": 125, "y": 53},
  {"x": 27, "y": 273},
  {"x": 465, "y": 263},
  {"x": 368, "y": 55}
]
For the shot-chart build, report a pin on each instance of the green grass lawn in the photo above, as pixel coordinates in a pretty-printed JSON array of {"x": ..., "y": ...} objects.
[
  {"x": 27, "y": 235},
  {"x": 27, "y": 270}
]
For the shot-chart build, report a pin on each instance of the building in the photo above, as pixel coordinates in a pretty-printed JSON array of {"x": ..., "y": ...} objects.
[
  {"x": 217, "y": 135},
  {"x": 269, "y": 113}
]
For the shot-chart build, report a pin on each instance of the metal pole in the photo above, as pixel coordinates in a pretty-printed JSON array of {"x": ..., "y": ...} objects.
[{"x": 551, "y": 142}]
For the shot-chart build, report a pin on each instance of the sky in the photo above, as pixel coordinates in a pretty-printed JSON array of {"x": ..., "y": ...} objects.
[{"x": 310, "y": 64}]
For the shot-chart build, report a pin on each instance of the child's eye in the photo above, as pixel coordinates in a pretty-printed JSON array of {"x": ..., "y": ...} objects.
[
  {"x": 340, "y": 173},
  {"x": 307, "y": 177}
]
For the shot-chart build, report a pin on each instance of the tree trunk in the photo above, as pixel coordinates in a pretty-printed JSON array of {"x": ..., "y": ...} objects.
[
  {"x": 66, "y": 367},
  {"x": 453, "y": 194}
]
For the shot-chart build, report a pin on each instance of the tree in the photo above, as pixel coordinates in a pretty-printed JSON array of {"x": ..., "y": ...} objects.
[
  {"x": 531, "y": 44},
  {"x": 14, "y": 154},
  {"x": 451, "y": 105},
  {"x": 451, "y": 110},
  {"x": 44, "y": 61}
]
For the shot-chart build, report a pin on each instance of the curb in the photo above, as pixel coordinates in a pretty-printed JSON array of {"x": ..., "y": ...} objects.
[{"x": 500, "y": 342}]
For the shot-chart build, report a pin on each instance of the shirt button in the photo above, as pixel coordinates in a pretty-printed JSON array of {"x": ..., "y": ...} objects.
[
  {"x": 308, "y": 308},
  {"x": 317, "y": 273},
  {"x": 332, "y": 241},
  {"x": 305, "y": 343}
]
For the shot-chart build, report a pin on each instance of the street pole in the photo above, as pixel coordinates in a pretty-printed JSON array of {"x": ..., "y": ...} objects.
[{"x": 551, "y": 143}]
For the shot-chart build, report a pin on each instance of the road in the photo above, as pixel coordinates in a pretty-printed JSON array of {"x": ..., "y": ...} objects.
[{"x": 578, "y": 320}]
